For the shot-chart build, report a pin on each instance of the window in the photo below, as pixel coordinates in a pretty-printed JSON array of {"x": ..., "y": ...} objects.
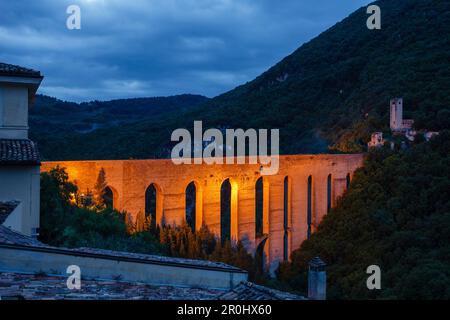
[
  {"x": 151, "y": 204},
  {"x": 309, "y": 206},
  {"x": 191, "y": 205},
  {"x": 259, "y": 207},
  {"x": 286, "y": 219},
  {"x": 225, "y": 211},
  {"x": 329, "y": 190}
]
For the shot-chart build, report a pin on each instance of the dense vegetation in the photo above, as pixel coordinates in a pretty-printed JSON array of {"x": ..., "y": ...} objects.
[
  {"x": 68, "y": 224},
  {"x": 396, "y": 215},
  {"x": 67, "y": 221},
  {"x": 65, "y": 130},
  {"x": 331, "y": 92}
]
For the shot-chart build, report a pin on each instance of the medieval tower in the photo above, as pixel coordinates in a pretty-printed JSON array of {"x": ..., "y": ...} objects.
[{"x": 396, "y": 114}]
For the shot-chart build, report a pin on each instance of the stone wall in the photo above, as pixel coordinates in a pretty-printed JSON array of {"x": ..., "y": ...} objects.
[
  {"x": 21, "y": 184},
  {"x": 129, "y": 180},
  {"x": 97, "y": 264}
]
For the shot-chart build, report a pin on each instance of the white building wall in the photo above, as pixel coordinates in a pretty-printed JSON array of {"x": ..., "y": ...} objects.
[
  {"x": 14, "y": 220},
  {"x": 396, "y": 114},
  {"x": 21, "y": 183},
  {"x": 13, "y": 112}
]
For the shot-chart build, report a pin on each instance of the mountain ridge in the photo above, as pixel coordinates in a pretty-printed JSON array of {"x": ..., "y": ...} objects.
[
  {"x": 89, "y": 116},
  {"x": 329, "y": 95}
]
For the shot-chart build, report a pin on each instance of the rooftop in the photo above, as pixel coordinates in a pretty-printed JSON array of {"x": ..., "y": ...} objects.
[
  {"x": 10, "y": 237},
  {"x": 18, "y": 152},
  {"x": 158, "y": 259},
  {"x": 6, "y": 208},
  {"x": 41, "y": 286},
  {"x": 38, "y": 286},
  {"x": 18, "y": 71},
  {"x": 251, "y": 291}
]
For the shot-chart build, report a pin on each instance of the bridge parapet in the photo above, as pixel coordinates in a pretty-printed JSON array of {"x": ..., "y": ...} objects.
[{"x": 290, "y": 206}]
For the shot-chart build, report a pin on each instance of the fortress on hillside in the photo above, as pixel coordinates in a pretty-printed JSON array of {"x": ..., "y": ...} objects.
[
  {"x": 399, "y": 127},
  {"x": 397, "y": 123}
]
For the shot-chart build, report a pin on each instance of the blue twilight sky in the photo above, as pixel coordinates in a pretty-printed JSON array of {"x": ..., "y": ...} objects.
[{"x": 137, "y": 48}]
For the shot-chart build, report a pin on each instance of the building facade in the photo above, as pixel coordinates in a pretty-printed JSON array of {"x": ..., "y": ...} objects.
[
  {"x": 397, "y": 123},
  {"x": 19, "y": 156},
  {"x": 376, "y": 140}
]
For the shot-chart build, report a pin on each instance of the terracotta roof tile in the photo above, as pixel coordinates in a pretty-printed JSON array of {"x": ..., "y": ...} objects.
[
  {"x": 18, "y": 152},
  {"x": 13, "y": 70},
  {"x": 8, "y": 236},
  {"x": 251, "y": 291},
  {"x": 43, "y": 286},
  {"x": 49, "y": 287}
]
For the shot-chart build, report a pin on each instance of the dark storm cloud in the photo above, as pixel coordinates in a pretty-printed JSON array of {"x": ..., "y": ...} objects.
[{"x": 158, "y": 47}]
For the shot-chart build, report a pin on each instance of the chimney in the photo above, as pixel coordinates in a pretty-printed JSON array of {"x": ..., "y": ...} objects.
[{"x": 317, "y": 280}]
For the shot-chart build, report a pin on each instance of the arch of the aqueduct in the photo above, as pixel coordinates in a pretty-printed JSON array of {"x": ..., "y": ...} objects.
[{"x": 129, "y": 180}]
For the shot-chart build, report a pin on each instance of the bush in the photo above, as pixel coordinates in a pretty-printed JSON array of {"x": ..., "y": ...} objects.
[
  {"x": 64, "y": 223},
  {"x": 68, "y": 224},
  {"x": 396, "y": 214}
]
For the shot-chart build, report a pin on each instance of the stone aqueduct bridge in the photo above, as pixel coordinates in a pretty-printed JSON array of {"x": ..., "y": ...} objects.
[{"x": 294, "y": 200}]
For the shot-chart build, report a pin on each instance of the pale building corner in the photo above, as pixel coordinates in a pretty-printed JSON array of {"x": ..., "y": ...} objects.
[{"x": 19, "y": 156}]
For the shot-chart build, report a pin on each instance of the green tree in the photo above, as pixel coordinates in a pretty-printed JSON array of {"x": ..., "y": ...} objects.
[
  {"x": 396, "y": 215},
  {"x": 64, "y": 223},
  {"x": 99, "y": 189}
]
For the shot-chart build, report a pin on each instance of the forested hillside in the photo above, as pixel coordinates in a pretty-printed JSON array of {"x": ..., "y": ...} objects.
[
  {"x": 331, "y": 93},
  {"x": 62, "y": 128},
  {"x": 50, "y": 114},
  {"x": 337, "y": 86},
  {"x": 396, "y": 215}
]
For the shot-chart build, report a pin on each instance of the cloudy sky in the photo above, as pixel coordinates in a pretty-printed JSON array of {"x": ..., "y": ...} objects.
[{"x": 137, "y": 48}]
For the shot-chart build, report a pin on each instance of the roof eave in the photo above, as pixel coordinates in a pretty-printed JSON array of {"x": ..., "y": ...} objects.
[
  {"x": 31, "y": 82},
  {"x": 20, "y": 163}
]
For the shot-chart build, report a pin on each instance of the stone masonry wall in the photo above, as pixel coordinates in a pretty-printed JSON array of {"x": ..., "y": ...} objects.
[{"x": 129, "y": 180}]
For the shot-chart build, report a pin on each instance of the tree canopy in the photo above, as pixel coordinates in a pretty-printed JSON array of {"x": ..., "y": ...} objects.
[{"x": 396, "y": 215}]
